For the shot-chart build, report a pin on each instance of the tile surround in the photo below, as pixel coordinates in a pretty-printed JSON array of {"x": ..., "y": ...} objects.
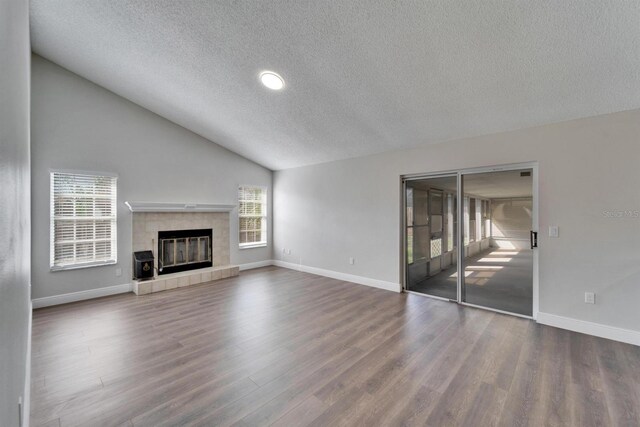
[
  {"x": 183, "y": 281},
  {"x": 171, "y": 284},
  {"x": 147, "y": 224}
]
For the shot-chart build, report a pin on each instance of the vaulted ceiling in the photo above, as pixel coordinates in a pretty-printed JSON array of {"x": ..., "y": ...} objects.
[{"x": 362, "y": 76}]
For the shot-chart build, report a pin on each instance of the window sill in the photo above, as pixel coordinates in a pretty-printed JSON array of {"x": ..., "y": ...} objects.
[
  {"x": 79, "y": 266},
  {"x": 253, "y": 245}
]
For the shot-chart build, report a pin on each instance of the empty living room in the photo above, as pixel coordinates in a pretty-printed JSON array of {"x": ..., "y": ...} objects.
[{"x": 319, "y": 213}]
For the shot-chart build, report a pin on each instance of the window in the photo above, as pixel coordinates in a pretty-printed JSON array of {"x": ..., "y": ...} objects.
[
  {"x": 83, "y": 220},
  {"x": 436, "y": 219},
  {"x": 486, "y": 225},
  {"x": 452, "y": 221},
  {"x": 253, "y": 216},
  {"x": 472, "y": 219},
  {"x": 465, "y": 221},
  {"x": 409, "y": 225}
]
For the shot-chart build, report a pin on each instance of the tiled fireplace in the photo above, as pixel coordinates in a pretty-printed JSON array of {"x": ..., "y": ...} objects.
[
  {"x": 189, "y": 248},
  {"x": 147, "y": 226}
]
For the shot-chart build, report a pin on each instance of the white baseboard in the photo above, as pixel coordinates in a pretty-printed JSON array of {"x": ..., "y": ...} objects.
[
  {"x": 258, "y": 264},
  {"x": 590, "y": 328},
  {"x": 26, "y": 398},
  {"x": 82, "y": 295},
  {"x": 380, "y": 284}
]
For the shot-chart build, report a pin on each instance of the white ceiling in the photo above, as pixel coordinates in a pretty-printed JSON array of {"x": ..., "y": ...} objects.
[{"x": 362, "y": 76}]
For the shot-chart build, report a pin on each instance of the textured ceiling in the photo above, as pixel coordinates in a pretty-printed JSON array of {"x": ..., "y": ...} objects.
[{"x": 362, "y": 76}]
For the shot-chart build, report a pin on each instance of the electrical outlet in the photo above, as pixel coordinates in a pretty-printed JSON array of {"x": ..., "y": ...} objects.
[
  {"x": 288, "y": 251},
  {"x": 352, "y": 260},
  {"x": 554, "y": 231},
  {"x": 118, "y": 272},
  {"x": 589, "y": 298}
]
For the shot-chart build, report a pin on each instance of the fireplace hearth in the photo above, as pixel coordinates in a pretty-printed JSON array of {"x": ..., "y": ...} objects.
[{"x": 182, "y": 250}]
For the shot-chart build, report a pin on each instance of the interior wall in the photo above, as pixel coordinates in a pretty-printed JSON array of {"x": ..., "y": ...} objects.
[
  {"x": 15, "y": 305},
  {"x": 78, "y": 125},
  {"x": 588, "y": 185},
  {"x": 511, "y": 222}
]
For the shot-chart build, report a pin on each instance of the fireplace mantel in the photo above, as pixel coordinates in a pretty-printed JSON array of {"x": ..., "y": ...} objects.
[{"x": 177, "y": 207}]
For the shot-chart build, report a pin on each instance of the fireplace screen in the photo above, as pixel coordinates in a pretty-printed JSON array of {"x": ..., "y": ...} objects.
[{"x": 183, "y": 250}]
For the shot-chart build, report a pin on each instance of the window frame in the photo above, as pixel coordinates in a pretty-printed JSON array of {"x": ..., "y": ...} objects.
[
  {"x": 52, "y": 222},
  {"x": 264, "y": 242}
]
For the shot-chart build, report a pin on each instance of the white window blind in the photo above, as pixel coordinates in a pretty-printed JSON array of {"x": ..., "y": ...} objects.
[
  {"x": 253, "y": 216},
  {"x": 83, "y": 220}
]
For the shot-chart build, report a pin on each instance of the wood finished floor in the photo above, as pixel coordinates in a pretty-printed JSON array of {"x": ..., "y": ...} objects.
[{"x": 285, "y": 348}]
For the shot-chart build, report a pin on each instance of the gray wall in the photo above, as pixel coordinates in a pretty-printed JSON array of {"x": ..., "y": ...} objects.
[
  {"x": 14, "y": 214},
  {"x": 79, "y": 125},
  {"x": 587, "y": 168}
]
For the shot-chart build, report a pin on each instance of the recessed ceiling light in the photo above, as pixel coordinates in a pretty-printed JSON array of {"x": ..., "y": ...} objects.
[{"x": 271, "y": 80}]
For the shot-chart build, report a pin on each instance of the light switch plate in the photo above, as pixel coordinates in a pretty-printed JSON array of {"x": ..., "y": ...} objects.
[{"x": 554, "y": 231}]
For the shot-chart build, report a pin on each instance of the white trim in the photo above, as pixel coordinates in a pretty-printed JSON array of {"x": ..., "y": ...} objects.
[
  {"x": 252, "y": 245},
  {"x": 458, "y": 245},
  {"x": 82, "y": 265},
  {"x": 82, "y": 295},
  {"x": 590, "y": 328},
  {"x": 26, "y": 398},
  {"x": 536, "y": 227},
  {"x": 177, "y": 207},
  {"x": 481, "y": 169},
  {"x": 257, "y": 264},
  {"x": 380, "y": 284}
]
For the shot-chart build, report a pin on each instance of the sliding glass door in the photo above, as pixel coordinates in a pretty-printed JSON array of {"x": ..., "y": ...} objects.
[
  {"x": 430, "y": 235},
  {"x": 498, "y": 261},
  {"x": 468, "y": 238}
]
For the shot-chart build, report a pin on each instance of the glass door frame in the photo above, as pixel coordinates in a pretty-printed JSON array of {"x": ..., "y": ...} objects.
[
  {"x": 403, "y": 229},
  {"x": 459, "y": 173}
]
